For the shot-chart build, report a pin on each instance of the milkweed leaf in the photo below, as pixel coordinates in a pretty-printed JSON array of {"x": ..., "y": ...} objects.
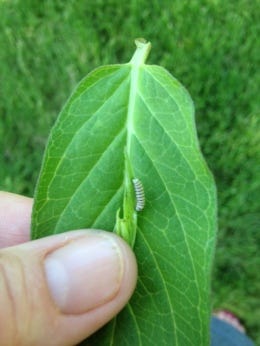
[{"x": 140, "y": 114}]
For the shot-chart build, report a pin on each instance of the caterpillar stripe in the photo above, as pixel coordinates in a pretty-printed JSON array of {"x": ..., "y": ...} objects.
[{"x": 139, "y": 194}]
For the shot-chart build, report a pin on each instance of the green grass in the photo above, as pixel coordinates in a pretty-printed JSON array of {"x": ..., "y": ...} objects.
[{"x": 210, "y": 46}]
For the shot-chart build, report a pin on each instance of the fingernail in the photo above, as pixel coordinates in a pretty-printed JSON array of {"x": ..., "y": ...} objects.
[{"x": 85, "y": 273}]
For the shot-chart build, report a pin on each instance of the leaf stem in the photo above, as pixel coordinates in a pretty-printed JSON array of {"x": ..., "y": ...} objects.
[{"x": 142, "y": 51}]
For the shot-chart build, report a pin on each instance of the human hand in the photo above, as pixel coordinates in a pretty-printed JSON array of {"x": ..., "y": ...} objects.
[{"x": 58, "y": 290}]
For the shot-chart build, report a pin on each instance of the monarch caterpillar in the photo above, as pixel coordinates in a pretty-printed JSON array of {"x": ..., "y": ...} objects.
[{"x": 139, "y": 194}]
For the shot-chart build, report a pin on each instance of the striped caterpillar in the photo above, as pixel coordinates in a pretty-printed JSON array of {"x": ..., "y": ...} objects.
[{"x": 139, "y": 194}]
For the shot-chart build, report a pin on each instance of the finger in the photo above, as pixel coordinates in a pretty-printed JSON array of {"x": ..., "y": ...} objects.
[
  {"x": 58, "y": 290},
  {"x": 15, "y": 215}
]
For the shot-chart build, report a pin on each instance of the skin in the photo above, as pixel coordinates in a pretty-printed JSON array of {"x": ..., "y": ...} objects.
[{"x": 29, "y": 314}]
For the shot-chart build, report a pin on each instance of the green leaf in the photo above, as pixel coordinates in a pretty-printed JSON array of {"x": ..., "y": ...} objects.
[{"x": 137, "y": 121}]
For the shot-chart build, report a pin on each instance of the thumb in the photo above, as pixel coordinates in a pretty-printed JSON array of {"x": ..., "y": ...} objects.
[{"x": 60, "y": 289}]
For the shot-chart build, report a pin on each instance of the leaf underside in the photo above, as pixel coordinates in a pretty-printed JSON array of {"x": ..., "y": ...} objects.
[{"x": 144, "y": 110}]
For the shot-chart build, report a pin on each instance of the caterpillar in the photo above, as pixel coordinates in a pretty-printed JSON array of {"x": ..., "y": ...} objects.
[{"x": 139, "y": 194}]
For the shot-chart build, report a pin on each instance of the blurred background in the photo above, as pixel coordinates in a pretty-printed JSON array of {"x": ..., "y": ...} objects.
[{"x": 211, "y": 46}]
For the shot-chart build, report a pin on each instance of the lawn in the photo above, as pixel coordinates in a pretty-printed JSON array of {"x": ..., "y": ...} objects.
[{"x": 209, "y": 45}]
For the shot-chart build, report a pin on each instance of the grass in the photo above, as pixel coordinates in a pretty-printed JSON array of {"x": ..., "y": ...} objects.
[{"x": 210, "y": 46}]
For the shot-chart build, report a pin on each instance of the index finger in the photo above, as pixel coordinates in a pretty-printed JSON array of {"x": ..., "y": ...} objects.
[{"x": 15, "y": 219}]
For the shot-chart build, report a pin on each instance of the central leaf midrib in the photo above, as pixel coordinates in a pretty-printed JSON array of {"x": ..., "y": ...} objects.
[{"x": 134, "y": 76}]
